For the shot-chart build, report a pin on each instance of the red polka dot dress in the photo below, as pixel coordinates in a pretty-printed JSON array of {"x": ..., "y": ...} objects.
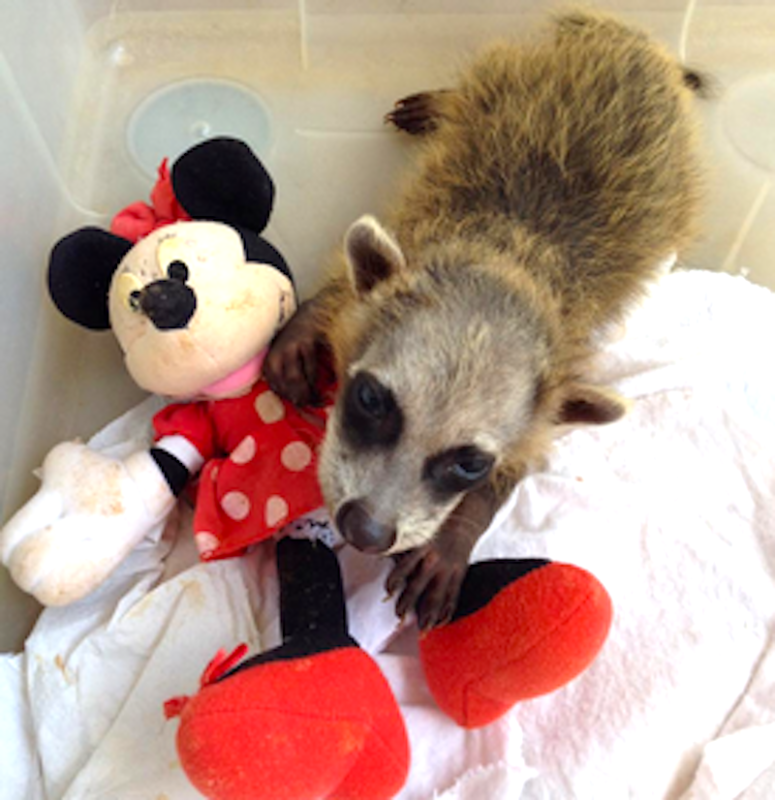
[{"x": 260, "y": 472}]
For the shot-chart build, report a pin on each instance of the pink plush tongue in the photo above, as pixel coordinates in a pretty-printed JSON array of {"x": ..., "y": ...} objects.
[{"x": 239, "y": 380}]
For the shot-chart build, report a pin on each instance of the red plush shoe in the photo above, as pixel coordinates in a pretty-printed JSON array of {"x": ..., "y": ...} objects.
[
  {"x": 522, "y": 629},
  {"x": 312, "y": 719},
  {"x": 319, "y": 726}
]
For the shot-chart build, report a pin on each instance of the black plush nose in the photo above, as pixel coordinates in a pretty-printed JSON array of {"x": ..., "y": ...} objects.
[
  {"x": 169, "y": 304},
  {"x": 361, "y": 530}
]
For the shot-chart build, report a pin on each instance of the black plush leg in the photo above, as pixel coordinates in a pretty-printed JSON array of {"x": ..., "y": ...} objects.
[
  {"x": 309, "y": 720},
  {"x": 313, "y": 616},
  {"x": 485, "y": 579}
]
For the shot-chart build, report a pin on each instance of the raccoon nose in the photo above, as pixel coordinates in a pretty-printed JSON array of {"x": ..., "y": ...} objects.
[{"x": 361, "y": 530}]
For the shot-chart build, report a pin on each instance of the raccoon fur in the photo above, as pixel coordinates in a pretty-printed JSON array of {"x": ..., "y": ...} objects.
[{"x": 551, "y": 183}]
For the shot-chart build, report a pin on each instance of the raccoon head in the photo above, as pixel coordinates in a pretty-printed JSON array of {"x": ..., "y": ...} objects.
[{"x": 444, "y": 375}]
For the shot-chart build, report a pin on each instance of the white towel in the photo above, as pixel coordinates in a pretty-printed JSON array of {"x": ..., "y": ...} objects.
[{"x": 672, "y": 508}]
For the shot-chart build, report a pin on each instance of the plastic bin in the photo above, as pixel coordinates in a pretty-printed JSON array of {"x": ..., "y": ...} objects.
[{"x": 94, "y": 92}]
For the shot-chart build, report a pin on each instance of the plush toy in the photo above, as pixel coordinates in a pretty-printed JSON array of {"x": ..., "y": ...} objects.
[
  {"x": 194, "y": 303},
  {"x": 314, "y": 718}
]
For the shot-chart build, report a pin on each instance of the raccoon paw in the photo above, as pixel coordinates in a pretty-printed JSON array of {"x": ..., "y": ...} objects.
[
  {"x": 430, "y": 576},
  {"x": 429, "y": 579},
  {"x": 416, "y": 114},
  {"x": 292, "y": 365}
]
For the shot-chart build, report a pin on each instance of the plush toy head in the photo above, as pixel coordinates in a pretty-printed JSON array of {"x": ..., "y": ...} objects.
[{"x": 194, "y": 304}]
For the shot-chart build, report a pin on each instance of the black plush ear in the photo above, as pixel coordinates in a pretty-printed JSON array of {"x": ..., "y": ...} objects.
[
  {"x": 590, "y": 405},
  {"x": 222, "y": 180},
  {"x": 259, "y": 251},
  {"x": 371, "y": 253},
  {"x": 80, "y": 270}
]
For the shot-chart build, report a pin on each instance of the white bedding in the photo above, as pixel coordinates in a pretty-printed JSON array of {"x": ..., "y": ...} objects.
[{"x": 672, "y": 508}]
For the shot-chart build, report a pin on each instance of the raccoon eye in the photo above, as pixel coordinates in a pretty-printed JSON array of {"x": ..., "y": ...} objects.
[
  {"x": 371, "y": 417},
  {"x": 458, "y": 470},
  {"x": 372, "y": 397},
  {"x": 471, "y": 466}
]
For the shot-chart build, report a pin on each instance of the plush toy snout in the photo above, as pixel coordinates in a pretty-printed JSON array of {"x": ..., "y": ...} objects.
[{"x": 169, "y": 303}]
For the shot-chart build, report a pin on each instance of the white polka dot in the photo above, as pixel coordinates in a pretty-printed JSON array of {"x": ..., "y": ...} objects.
[
  {"x": 206, "y": 542},
  {"x": 245, "y": 451},
  {"x": 269, "y": 407},
  {"x": 276, "y": 510},
  {"x": 236, "y": 505},
  {"x": 296, "y": 456}
]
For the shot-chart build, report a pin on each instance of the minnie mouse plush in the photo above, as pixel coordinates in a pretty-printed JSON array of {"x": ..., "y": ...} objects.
[{"x": 194, "y": 304}]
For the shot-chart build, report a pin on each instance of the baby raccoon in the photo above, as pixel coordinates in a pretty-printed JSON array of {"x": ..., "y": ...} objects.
[{"x": 552, "y": 183}]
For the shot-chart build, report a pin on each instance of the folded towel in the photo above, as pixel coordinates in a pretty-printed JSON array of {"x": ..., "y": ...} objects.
[{"x": 672, "y": 508}]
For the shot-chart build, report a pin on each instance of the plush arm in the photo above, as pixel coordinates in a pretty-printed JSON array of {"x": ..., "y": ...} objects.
[
  {"x": 89, "y": 513},
  {"x": 177, "y": 459}
]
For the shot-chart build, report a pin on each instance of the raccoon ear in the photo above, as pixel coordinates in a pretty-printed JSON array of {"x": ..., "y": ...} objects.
[
  {"x": 591, "y": 405},
  {"x": 372, "y": 254}
]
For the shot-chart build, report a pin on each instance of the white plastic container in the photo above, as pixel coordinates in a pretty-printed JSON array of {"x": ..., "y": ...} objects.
[{"x": 94, "y": 92}]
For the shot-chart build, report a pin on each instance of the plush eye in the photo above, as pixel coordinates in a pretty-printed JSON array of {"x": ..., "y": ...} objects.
[
  {"x": 178, "y": 271},
  {"x": 134, "y": 300},
  {"x": 458, "y": 469}
]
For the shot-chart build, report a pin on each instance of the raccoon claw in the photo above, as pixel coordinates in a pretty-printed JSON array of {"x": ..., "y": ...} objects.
[
  {"x": 414, "y": 114},
  {"x": 429, "y": 584},
  {"x": 430, "y": 577}
]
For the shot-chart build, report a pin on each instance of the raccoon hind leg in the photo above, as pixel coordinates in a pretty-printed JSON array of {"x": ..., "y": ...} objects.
[{"x": 419, "y": 114}]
